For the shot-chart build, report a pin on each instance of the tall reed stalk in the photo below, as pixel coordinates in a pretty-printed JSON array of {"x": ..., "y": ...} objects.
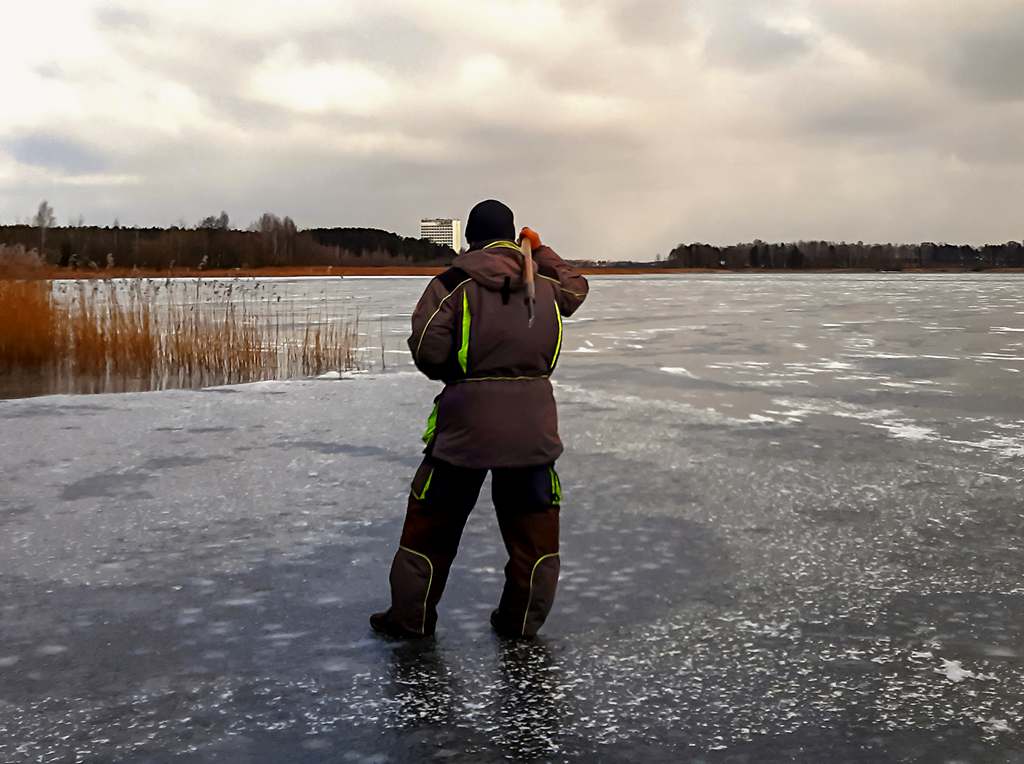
[
  {"x": 109, "y": 336},
  {"x": 33, "y": 329}
]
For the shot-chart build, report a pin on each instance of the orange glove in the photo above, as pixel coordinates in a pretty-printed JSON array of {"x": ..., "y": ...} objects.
[{"x": 533, "y": 236}]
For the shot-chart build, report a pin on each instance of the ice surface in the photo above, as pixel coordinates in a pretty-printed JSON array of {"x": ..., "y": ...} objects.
[{"x": 751, "y": 573}]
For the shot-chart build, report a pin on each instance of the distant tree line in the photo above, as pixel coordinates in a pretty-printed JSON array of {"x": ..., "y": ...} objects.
[
  {"x": 826, "y": 254},
  {"x": 380, "y": 244},
  {"x": 213, "y": 243},
  {"x": 274, "y": 241}
]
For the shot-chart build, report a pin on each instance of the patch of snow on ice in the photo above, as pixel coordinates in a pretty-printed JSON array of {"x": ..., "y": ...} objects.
[
  {"x": 381, "y": 278},
  {"x": 861, "y": 343},
  {"x": 679, "y": 371},
  {"x": 993, "y": 725},
  {"x": 634, "y": 402},
  {"x": 344, "y": 374},
  {"x": 1004, "y": 446},
  {"x": 889, "y": 420},
  {"x": 907, "y": 431},
  {"x": 268, "y": 384},
  {"x": 901, "y": 385},
  {"x": 954, "y": 672},
  {"x": 883, "y": 356}
]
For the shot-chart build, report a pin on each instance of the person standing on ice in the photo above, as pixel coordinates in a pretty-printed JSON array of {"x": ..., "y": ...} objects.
[{"x": 471, "y": 330}]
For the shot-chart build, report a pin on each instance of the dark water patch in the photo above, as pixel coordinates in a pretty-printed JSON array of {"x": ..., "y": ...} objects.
[
  {"x": 987, "y": 624},
  {"x": 833, "y": 511},
  {"x": 123, "y": 485},
  {"x": 858, "y": 743},
  {"x": 11, "y": 513},
  {"x": 911, "y": 368},
  {"x": 586, "y": 408},
  {"x": 347, "y": 449},
  {"x": 170, "y": 462},
  {"x": 29, "y": 411},
  {"x": 730, "y": 344}
]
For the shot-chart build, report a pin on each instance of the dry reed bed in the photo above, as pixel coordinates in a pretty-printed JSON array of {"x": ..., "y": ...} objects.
[{"x": 105, "y": 335}]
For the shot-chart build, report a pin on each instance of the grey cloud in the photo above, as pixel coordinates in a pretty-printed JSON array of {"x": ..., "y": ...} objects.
[
  {"x": 991, "y": 62},
  {"x": 641, "y": 23},
  {"x": 744, "y": 42},
  {"x": 216, "y": 75},
  {"x": 393, "y": 46},
  {"x": 57, "y": 152},
  {"x": 760, "y": 133},
  {"x": 50, "y": 71},
  {"x": 543, "y": 157},
  {"x": 390, "y": 43},
  {"x": 976, "y": 47},
  {"x": 538, "y": 173},
  {"x": 579, "y": 69},
  {"x": 859, "y": 114},
  {"x": 114, "y": 16},
  {"x": 993, "y": 140},
  {"x": 647, "y": 22}
]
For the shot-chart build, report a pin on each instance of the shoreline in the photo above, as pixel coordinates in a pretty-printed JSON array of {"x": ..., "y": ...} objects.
[{"x": 66, "y": 274}]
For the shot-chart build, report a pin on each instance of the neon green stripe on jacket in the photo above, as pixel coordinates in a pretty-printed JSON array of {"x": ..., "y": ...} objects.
[
  {"x": 428, "y": 434},
  {"x": 558, "y": 344},
  {"x": 504, "y": 244},
  {"x": 466, "y": 319}
]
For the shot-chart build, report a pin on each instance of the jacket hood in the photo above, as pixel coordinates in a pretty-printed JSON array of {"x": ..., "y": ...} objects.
[{"x": 491, "y": 266}]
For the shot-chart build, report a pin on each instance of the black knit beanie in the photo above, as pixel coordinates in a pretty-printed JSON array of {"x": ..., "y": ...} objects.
[{"x": 489, "y": 221}]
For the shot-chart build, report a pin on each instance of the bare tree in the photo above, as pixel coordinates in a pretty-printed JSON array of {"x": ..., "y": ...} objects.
[
  {"x": 269, "y": 227},
  {"x": 291, "y": 232},
  {"x": 215, "y": 222},
  {"x": 44, "y": 219}
]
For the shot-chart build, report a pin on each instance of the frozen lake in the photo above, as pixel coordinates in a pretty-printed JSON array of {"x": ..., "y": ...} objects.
[{"x": 792, "y": 531}]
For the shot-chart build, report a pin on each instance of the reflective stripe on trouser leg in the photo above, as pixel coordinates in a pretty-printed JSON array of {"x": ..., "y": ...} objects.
[
  {"x": 430, "y": 539},
  {"x": 541, "y": 595},
  {"x": 412, "y": 578},
  {"x": 531, "y": 574},
  {"x": 440, "y": 501}
]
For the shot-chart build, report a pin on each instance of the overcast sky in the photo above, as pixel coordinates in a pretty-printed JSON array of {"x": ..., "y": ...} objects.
[{"x": 617, "y": 128}]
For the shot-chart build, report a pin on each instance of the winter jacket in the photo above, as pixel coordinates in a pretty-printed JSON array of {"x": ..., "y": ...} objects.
[{"x": 470, "y": 330}]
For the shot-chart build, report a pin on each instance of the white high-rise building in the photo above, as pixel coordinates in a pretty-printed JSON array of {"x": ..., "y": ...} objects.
[{"x": 444, "y": 231}]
